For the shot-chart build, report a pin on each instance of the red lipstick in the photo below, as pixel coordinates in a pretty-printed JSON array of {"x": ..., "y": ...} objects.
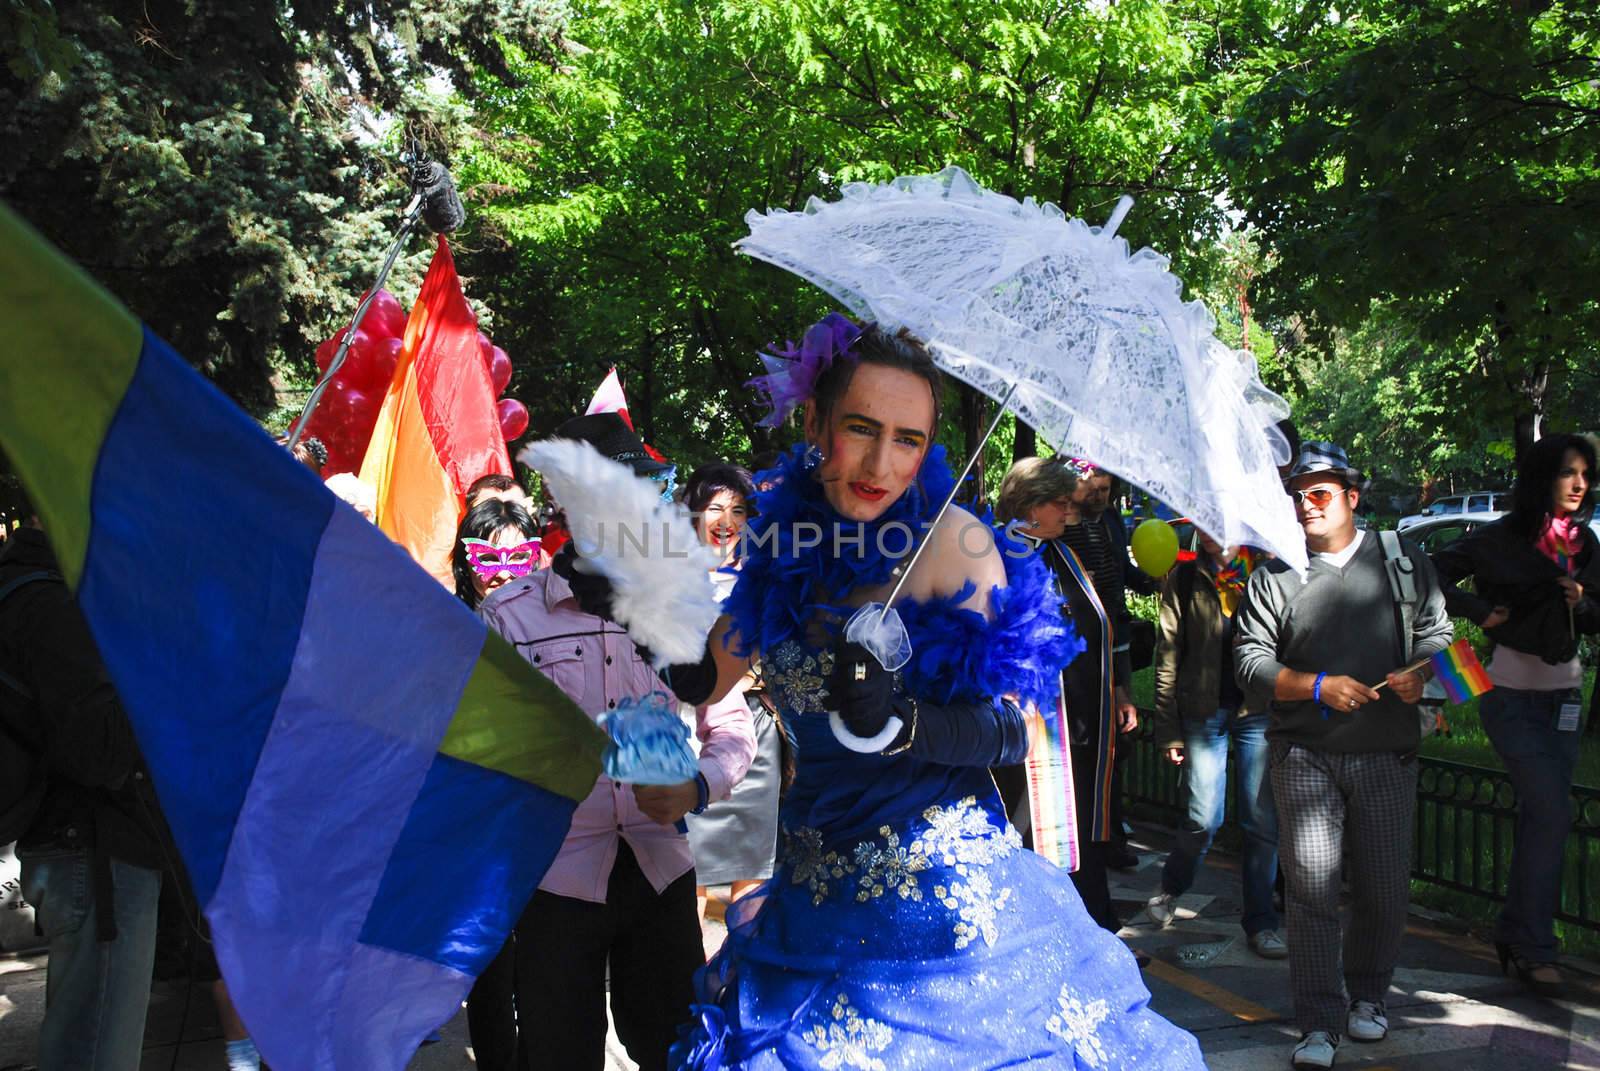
[{"x": 867, "y": 492}]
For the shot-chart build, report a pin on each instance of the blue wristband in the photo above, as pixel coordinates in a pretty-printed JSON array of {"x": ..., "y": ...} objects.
[
  {"x": 702, "y": 791},
  {"x": 1316, "y": 693}
]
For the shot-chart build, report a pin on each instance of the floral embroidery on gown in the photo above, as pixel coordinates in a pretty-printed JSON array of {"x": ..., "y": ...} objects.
[{"x": 907, "y": 928}]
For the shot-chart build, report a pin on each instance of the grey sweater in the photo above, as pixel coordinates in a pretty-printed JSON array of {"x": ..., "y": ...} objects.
[{"x": 1336, "y": 621}]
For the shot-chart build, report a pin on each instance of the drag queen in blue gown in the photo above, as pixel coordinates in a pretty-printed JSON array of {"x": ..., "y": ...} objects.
[{"x": 906, "y": 928}]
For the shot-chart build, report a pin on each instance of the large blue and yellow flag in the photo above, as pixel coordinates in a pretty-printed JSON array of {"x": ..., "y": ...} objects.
[{"x": 365, "y": 784}]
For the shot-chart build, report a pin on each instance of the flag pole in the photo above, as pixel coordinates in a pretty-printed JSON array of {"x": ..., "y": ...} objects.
[
  {"x": 1412, "y": 668},
  {"x": 413, "y": 213}
]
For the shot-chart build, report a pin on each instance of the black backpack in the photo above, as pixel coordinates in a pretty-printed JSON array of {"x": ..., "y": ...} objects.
[{"x": 22, "y": 780}]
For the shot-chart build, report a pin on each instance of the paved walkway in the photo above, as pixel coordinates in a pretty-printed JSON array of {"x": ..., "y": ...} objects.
[
  {"x": 1449, "y": 1006},
  {"x": 1450, "y": 1009}
]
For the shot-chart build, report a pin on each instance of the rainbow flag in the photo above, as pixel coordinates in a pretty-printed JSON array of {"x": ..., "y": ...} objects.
[
  {"x": 1459, "y": 671},
  {"x": 438, "y": 430},
  {"x": 366, "y": 785},
  {"x": 1052, "y": 807}
]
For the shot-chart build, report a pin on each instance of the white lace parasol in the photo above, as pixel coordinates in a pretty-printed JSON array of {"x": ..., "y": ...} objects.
[{"x": 1109, "y": 363}]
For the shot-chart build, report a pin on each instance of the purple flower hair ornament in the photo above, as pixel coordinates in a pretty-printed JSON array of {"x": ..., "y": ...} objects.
[
  {"x": 792, "y": 372},
  {"x": 1083, "y": 468}
]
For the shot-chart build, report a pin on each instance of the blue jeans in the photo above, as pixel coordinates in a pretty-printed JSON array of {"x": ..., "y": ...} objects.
[
  {"x": 1204, "y": 779},
  {"x": 1539, "y": 760},
  {"x": 96, "y": 993}
]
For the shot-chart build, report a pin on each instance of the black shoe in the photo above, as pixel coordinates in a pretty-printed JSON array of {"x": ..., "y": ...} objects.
[
  {"x": 1543, "y": 979},
  {"x": 1122, "y": 858}
]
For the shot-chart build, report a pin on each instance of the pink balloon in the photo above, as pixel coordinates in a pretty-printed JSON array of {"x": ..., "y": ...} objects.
[
  {"x": 325, "y": 354},
  {"x": 353, "y": 360},
  {"x": 372, "y": 367},
  {"x": 485, "y": 348},
  {"x": 386, "y": 318},
  {"x": 499, "y": 370},
  {"x": 347, "y": 405},
  {"x": 513, "y": 417},
  {"x": 344, "y": 453}
]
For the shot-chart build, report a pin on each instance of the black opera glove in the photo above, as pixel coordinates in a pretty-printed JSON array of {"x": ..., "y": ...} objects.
[
  {"x": 593, "y": 591},
  {"x": 692, "y": 682},
  {"x": 860, "y": 690},
  {"x": 979, "y": 732}
]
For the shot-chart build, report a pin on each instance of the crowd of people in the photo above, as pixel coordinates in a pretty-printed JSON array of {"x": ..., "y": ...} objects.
[{"x": 874, "y": 826}]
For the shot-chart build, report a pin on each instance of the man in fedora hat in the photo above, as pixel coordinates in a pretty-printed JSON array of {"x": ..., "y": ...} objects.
[
  {"x": 1343, "y": 732},
  {"x": 617, "y": 908}
]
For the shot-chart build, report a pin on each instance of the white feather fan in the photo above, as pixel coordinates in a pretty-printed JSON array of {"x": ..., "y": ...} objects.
[{"x": 659, "y": 570}]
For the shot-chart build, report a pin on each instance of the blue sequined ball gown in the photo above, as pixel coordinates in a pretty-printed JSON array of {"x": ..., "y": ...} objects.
[{"x": 905, "y": 927}]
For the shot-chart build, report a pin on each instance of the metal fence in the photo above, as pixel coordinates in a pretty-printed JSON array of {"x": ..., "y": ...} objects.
[{"x": 1465, "y": 827}]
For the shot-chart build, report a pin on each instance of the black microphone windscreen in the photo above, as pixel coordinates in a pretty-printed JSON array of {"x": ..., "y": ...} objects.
[{"x": 442, "y": 210}]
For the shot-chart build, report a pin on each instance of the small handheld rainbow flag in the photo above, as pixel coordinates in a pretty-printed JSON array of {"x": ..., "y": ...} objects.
[
  {"x": 1052, "y": 804},
  {"x": 1460, "y": 672}
]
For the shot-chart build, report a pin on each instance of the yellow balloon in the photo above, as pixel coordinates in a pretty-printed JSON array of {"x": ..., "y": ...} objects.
[{"x": 1155, "y": 547}]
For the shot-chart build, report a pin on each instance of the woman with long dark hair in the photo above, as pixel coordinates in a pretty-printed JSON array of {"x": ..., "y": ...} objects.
[
  {"x": 1534, "y": 573},
  {"x": 496, "y": 542},
  {"x": 735, "y": 839}
]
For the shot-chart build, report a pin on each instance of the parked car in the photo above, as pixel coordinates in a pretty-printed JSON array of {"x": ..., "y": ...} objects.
[
  {"x": 1479, "y": 505},
  {"x": 1435, "y": 533}
]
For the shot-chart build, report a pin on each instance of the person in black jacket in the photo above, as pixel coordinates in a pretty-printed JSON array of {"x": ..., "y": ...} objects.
[
  {"x": 1534, "y": 574},
  {"x": 92, "y": 856},
  {"x": 1037, "y": 494},
  {"x": 1100, "y": 541}
]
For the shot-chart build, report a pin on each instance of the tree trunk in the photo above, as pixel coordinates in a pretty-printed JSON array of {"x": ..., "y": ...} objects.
[
  {"x": 972, "y": 425},
  {"x": 644, "y": 416},
  {"x": 1529, "y": 425},
  {"x": 1026, "y": 444}
]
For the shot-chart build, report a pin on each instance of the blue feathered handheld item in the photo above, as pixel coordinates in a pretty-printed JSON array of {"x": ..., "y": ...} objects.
[{"x": 649, "y": 743}]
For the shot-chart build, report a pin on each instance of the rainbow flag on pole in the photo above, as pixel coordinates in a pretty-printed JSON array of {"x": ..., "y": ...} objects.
[
  {"x": 366, "y": 785},
  {"x": 1459, "y": 671},
  {"x": 437, "y": 431}
]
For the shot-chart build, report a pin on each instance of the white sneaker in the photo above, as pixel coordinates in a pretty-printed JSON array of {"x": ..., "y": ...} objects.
[
  {"x": 1269, "y": 944},
  {"x": 1317, "y": 1048},
  {"x": 1369, "y": 1020},
  {"x": 1162, "y": 909}
]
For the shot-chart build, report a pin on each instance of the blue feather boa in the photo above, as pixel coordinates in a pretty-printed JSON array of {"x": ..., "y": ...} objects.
[{"x": 958, "y": 653}]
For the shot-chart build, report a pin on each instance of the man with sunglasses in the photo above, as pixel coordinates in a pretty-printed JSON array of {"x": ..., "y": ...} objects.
[
  {"x": 1325, "y": 654},
  {"x": 616, "y": 912}
]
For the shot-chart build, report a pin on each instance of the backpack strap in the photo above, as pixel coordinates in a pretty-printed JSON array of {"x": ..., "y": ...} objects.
[{"x": 1402, "y": 572}]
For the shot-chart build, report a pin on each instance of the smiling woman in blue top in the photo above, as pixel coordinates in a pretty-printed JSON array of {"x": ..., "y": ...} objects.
[{"x": 905, "y": 926}]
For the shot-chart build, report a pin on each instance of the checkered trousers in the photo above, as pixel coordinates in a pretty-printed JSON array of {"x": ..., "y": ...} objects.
[{"x": 1333, "y": 805}]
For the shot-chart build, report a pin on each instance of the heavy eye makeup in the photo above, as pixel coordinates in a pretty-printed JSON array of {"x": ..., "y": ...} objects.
[{"x": 867, "y": 428}]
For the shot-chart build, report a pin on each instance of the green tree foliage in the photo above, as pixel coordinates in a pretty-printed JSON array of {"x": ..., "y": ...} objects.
[
  {"x": 609, "y": 191},
  {"x": 1440, "y": 158},
  {"x": 216, "y": 165},
  {"x": 1397, "y": 404}
]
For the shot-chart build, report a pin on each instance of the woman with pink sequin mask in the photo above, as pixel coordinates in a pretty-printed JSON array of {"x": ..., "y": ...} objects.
[{"x": 496, "y": 542}]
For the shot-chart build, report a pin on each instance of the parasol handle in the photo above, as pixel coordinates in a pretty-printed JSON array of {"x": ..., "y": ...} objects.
[
  {"x": 1118, "y": 214},
  {"x": 905, "y": 571}
]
